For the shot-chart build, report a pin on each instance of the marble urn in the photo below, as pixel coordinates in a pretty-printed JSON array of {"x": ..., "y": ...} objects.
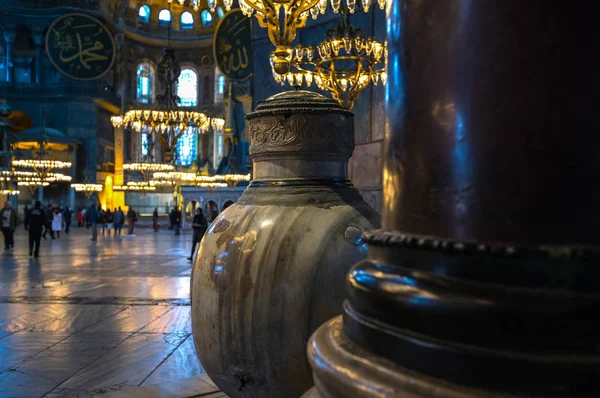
[{"x": 271, "y": 268}]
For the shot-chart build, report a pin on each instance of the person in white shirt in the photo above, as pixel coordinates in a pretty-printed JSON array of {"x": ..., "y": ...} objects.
[
  {"x": 57, "y": 222},
  {"x": 9, "y": 224}
]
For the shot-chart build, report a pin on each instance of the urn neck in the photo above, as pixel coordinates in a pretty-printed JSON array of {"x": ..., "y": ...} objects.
[{"x": 301, "y": 167}]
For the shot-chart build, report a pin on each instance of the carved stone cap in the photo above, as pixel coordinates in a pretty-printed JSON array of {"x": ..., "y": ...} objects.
[{"x": 300, "y": 124}]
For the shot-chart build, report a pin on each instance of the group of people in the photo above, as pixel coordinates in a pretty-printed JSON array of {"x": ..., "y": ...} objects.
[
  {"x": 109, "y": 220},
  {"x": 36, "y": 221},
  {"x": 53, "y": 220},
  {"x": 41, "y": 221}
]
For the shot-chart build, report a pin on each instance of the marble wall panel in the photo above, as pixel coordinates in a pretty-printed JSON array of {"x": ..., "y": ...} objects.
[{"x": 365, "y": 166}]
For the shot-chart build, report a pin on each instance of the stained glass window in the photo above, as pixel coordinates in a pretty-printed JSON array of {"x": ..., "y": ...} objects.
[
  {"x": 206, "y": 19},
  {"x": 187, "y": 88},
  {"x": 145, "y": 144},
  {"x": 145, "y": 83},
  {"x": 186, "y": 147},
  {"x": 144, "y": 14},
  {"x": 187, "y": 20}
]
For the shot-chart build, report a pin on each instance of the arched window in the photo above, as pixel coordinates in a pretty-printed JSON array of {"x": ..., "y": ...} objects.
[
  {"x": 186, "y": 147},
  {"x": 164, "y": 17},
  {"x": 206, "y": 19},
  {"x": 144, "y": 14},
  {"x": 187, "y": 20},
  {"x": 145, "y": 83},
  {"x": 187, "y": 87},
  {"x": 220, "y": 12},
  {"x": 219, "y": 86}
]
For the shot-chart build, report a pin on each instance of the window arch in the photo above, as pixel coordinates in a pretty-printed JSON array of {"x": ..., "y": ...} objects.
[
  {"x": 145, "y": 83},
  {"x": 206, "y": 19},
  {"x": 164, "y": 17},
  {"x": 187, "y": 87},
  {"x": 220, "y": 12},
  {"x": 144, "y": 13},
  {"x": 187, "y": 20}
]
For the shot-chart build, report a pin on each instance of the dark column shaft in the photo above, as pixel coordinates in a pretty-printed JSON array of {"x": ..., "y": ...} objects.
[
  {"x": 492, "y": 121},
  {"x": 486, "y": 271}
]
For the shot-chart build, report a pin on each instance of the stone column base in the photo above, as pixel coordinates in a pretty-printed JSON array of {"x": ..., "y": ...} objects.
[{"x": 343, "y": 369}]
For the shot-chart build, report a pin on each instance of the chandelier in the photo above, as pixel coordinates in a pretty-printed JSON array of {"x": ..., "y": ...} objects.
[
  {"x": 211, "y": 187},
  {"x": 80, "y": 187},
  {"x": 42, "y": 166},
  {"x": 344, "y": 64},
  {"x": 282, "y": 18},
  {"x": 167, "y": 122},
  {"x": 134, "y": 186},
  {"x": 145, "y": 166}
]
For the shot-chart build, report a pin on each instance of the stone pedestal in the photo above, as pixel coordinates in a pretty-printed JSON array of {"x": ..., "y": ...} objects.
[{"x": 483, "y": 280}]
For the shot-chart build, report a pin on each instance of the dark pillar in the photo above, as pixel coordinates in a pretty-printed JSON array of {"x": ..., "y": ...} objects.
[{"x": 484, "y": 278}]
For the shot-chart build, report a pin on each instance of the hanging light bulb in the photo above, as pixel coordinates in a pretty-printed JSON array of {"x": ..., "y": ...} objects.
[
  {"x": 335, "y": 4},
  {"x": 344, "y": 84},
  {"x": 314, "y": 12},
  {"x": 351, "y": 5},
  {"x": 309, "y": 78},
  {"x": 212, "y": 5},
  {"x": 383, "y": 78},
  {"x": 366, "y": 5},
  {"x": 290, "y": 78}
]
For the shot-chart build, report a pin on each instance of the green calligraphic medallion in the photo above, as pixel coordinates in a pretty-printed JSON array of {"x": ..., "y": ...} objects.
[
  {"x": 80, "y": 46},
  {"x": 233, "y": 45}
]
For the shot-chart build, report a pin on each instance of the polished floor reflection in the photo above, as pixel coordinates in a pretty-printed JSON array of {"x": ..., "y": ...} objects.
[{"x": 89, "y": 318}]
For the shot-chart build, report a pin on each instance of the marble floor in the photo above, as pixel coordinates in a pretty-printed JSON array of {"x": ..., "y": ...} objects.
[{"x": 90, "y": 318}]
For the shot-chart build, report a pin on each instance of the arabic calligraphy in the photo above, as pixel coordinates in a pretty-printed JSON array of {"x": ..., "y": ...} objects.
[
  {"x": 80, "y": 47},
  {"x": 233, "y": 46}
]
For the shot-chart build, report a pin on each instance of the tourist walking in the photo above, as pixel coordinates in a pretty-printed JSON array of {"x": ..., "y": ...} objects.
[
  {"x": 93, "y": 221},
  {"x": 48, "y": 226},
  {"x": 9, "y": 223},
  {"x": 109, "y": 219},
  {"x": 131, "y": 219},
  {"x": 57, "y": 223},
  {"x": 199, "y": 224},
  {"x": 177, "y": 221},
  {"x": 68, "y": 216},
  {"x": 119, "y": 220},
  {"x": 79, "y": 219},
  {"x": 102, "y": 220},
  {"x": 172, "y": 218},
  {"x": 26, "y": 217},
  {"x": 37, "y": 221},
  {"x": 155, "y": 219}
]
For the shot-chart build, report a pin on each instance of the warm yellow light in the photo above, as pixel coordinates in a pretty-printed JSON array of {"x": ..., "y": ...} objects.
[
  {"x": 148, "y": 166},
  {"x": 87, "y": 187},
  {"x": 41, "y": 163}
]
